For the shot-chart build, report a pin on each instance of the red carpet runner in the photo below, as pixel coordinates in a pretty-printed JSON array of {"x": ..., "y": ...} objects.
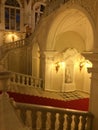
[{"x": 79, "y": 104}]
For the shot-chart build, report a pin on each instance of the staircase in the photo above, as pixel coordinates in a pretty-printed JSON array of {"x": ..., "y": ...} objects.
[{"x": 38, "y": 117}]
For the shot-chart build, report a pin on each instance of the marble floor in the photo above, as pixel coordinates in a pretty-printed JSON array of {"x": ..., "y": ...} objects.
[{"x": 55, "y": 95}]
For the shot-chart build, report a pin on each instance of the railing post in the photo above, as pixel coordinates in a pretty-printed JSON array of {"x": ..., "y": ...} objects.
[{"x": 4, "y": 80}]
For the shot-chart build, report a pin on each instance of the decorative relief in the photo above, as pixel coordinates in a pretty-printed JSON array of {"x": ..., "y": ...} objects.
[{"x": 89, "y": 5}]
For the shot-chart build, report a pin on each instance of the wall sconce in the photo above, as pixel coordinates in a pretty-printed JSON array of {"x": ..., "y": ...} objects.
[
  {"x": 81, "y": 65},
  {"x": 85, "y": 63},
  {"x": 13, "y": 38},
  {"x": 57, "y": 66}
]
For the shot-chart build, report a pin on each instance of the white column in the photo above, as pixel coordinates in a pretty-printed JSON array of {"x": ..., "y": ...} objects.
[{"x": 93, "y": 103}]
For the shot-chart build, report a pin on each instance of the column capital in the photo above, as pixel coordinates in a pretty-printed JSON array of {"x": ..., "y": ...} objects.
[{"x": 92, "y": 56}]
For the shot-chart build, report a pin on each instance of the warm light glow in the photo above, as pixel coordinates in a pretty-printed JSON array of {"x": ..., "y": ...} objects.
[
  {"x": 12, "y": 37},
  {"x": 85, "y": 63},
  {"x": 88, "y": 64},
  {"x": 59, "y": 65}
]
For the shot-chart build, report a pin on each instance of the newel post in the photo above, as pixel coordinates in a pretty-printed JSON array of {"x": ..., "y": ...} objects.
[
  {"x": 93, "y": 101},
  {"x": 4, "y": 80}
]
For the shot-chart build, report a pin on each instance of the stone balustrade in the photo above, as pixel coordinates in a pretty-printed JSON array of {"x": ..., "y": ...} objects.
[
  {"x": 13, "y": 45},
  {"x": 39, "y": 117},
  {"x": 25, "y": 80}
]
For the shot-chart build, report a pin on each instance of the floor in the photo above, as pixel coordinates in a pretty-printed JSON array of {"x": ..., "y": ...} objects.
[{"x": 65, "y": 95}]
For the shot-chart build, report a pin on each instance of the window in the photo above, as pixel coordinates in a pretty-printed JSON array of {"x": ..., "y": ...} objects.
[{"x": 12, "y": 15}]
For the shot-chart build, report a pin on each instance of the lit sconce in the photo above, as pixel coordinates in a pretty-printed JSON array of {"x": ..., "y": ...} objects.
[
  {"x": 57, "y": 66},
  {"x": 88, "y": 64},
  {"x": 81, "y": 65},
  {"x": 85, "y": 63},
  {"x": 12, "y": 37}
]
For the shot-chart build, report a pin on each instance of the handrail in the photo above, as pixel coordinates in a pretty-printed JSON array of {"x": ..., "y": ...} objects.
[
  {"x": 25, "y": 80},
  {"x": 12, "y": 45},
  {"x": 39, "y": 117}
]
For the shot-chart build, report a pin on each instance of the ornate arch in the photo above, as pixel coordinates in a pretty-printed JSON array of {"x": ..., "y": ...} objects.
[{"x": 63, "y": 22}]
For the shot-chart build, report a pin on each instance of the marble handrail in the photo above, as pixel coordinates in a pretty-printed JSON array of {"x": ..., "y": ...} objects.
[
  {"x": 25, "y": 80},
  {"x": 39, "y": 117}
]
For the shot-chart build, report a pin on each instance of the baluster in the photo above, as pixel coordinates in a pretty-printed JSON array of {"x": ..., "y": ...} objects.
[
  {"x": 39, "y": 120},
  {"x": 39, "y": 83},
  {"x": 61, "y": 121},
  {"x": 27, "y": 80},
  {"x": 83, "y": 122},
  {"x": 28, "y": 119},
  {"x": 57, "y": 122},
  {"x": 32, "y": 82},
  {"x": 34, "y": 118},
  {"x": 13, "y": 78},
  {"x": 17, "y": 44},
  {"x": 48, "y": 121},
  {"x": 65, "y": 121},
  {"x": 44, "y": 118},
  {"x": 18, "y": 78},
  {"x": 69, "y": 121},
  {"x": 76, "y": 120},
  {"x": 23, "y": 42},
  {"x": 23, "y": 115},
  {"x": 35, "y": 83},
  {"x": 23, "y": 80},
  {"x": 53, "y": 119}
]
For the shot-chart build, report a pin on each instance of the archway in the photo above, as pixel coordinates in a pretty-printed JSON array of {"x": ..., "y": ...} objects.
[{"x": 73, "y": 29}]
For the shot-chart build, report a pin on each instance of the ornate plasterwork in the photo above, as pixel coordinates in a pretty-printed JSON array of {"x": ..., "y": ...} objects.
[{"x": 88, "y": 5}]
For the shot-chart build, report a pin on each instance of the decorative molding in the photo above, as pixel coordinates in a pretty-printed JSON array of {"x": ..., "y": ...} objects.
[{"x": 88, "y": 5}]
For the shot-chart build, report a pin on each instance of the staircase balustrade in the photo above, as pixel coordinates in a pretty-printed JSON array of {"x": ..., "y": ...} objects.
[
  {"x": 25, "y": 80},
  {"x": 12, "y": 45},
  {"x": 39, "y": 117}
]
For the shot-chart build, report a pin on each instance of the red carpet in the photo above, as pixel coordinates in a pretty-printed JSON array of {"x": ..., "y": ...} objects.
[{"x": 79, "y": 104}]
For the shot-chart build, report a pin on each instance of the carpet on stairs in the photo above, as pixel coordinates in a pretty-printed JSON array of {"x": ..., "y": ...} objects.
[{"x": 77, "y": 104}]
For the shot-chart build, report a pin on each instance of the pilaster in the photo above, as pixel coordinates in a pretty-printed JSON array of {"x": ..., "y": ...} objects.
[
  {"x": 49, "y": 58},
  {"x": 93, "y": 102}
]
